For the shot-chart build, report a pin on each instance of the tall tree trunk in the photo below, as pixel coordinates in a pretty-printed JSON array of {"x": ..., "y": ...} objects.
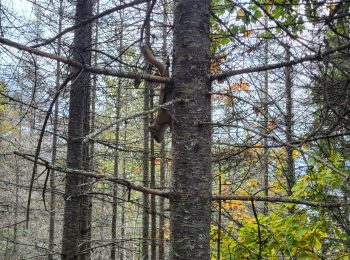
[
  {"x": 54, "y": 146},
  {"x": 77, "y": 210},
  {"x": 161, "y": 248},
  {"x": 190, "y": 202},
  {"x": 116, "y": 175},
  {"x": 153, "y": 185},
  {"x": 86, "y": 200},
  {"x": 123, "y": 207},
  {"x": 145, "y": 169},
  {"x": 116, "y": 162},
  {"x": 289, "y": 124},
  {"x": 18, "y": 170},
  {"x": 218, "y": 254},
  {"x": 93, "y": 87},
  {"x": 265, "y": 158},
  {"x": 145, "y": 159}
]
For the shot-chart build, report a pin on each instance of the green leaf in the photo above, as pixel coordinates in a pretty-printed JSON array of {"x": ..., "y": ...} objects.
[
  {"x": 266, "y": 35},
  {"x": 257, "y": 14},
  {"x": 278, "y": 12}
]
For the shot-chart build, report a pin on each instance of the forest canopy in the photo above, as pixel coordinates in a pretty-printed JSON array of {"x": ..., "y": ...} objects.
[{"x": 185, "y": 129}]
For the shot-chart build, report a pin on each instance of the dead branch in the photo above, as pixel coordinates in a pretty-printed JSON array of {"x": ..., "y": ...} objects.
[
  {"x": 104, "y": 71},
  {"x": 280, "y": 200},
  {"x": 314, "y": 57},
  {"x": 123, "y": 119},
  {"x": 93, "y": 18},
  {"x": 94, "y": 175}
]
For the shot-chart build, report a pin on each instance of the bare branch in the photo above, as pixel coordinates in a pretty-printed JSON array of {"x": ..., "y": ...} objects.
[
  {"x": 96, "y": 176},
  {"x": 41, "y": 137},
  {"x": 93, "y": 18},
  {"x": 104, "y": 71},
  {"x": 280, "y": 200},
  {"x": 318, "y": 56},
  {"x": 123, "y": 119}
]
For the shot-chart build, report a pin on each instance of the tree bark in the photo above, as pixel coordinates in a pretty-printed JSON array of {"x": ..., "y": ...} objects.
[
  {"x": 161, "y": 233},
  {"x": 123, "y": 223},
  {"x": 116, "y": 175},
  {"x": 145, "y": 170},
  {"x": 161, "y": 249},
  {"x": 54, "y": 146},
  {"x": 190, "y": 203},
  {"x": 76, "y": 227},
  {"x": 116, "y": 162},
  {"x": 145, "y": 159},
  {"x": 289, "y": 125},
  {"x": 153, "y": 185},
  {"x": 265, "y": 157}
]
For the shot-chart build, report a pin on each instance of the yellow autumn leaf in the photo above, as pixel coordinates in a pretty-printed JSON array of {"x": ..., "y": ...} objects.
[
  {"x": 258, "y": 148},
  {"x": 318, "y": 244},
  {"x": 166, "y": 232},
  {"x": 234, "y": 86},
  {"x": 136, "y": 169},
  {"x": 295, "y": 154},
  {"x": 272, "y": 125},
  {"x": 240, "y": 13},
  {"x": 228, "y": 100},
  {"x": 331, "y": 7},
  {"x": 241, "y": 85},
  {"x": 248, "y": 33},
  {"x": 157, "y": 161},
  {"x": 215, "y": 63},
  {"x": 245, "y": 86}
]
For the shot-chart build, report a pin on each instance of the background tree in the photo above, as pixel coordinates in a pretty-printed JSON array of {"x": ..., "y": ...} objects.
[{"x": 226, "y": 127}]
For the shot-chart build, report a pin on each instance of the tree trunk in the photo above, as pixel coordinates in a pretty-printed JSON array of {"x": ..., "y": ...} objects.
[
  {"x": 54, "y": 147},
  {"x": 145, "y": 159},
  {"x": 76, "y": 227},
  {"x": 116, "y": 175},
  {"x": 265, "y": 157},
  {"x": 161, "y": 248},
  {"x": 153, "y": 185},
  {"x": 116, "y": 162},
  {"x": 145, "y": 170},
  {"x": 289, "y": 125},
  {"x": 122, "y": 231},
  {"x": 190, "y": 202}
]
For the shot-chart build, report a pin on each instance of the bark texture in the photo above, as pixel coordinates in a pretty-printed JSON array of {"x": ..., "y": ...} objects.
[
  {"x": 145, "y": 157},
  {"x": 190, "y": 203},
  {"x": 289, "y": 125},
  {"x": 265, "y": 158},
  {"x": 76, "y": 205}
]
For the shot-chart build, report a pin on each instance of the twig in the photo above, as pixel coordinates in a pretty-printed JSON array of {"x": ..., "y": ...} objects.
[
  {"x": 123, "y": 119},
  {"x": 98, "y": 176},
  {"x": 281, "y": 200},
  {"x": 318, "y": 56},
  {"x": 147, "y": 18},
  {"x": 42, "y": 132},
  {"x": 87, "y": 68},
  {"x": 259, "y": 231},
  {"x": 91, "y": 19}
]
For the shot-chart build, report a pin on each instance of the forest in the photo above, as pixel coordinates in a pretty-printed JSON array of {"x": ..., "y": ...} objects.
[{"x": 174, "y": 129}]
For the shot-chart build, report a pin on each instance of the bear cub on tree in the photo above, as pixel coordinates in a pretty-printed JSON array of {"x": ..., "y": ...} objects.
[{"x": 163, "y": 119}]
